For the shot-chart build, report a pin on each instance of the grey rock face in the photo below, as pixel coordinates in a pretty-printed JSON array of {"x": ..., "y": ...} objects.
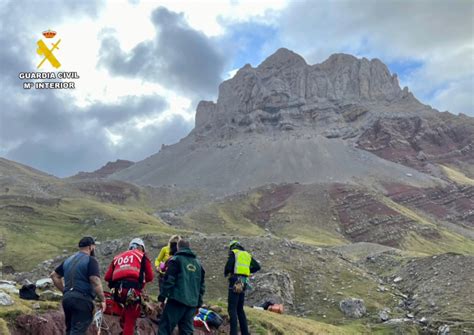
[
  {"x": 285, "y": 93},
  {"x": 353, "y": 308}
]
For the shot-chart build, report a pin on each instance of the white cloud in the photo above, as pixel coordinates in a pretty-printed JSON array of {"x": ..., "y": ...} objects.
[
  {"x": 457, "y": 97},
  {"x": 438, "y": 34}
]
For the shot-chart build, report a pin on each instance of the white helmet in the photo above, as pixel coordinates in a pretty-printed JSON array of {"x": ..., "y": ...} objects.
[{"x": 135, "y": 243}]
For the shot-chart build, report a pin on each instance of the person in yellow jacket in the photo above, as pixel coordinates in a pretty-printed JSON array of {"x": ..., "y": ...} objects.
[{"x": 166, "y": 253}]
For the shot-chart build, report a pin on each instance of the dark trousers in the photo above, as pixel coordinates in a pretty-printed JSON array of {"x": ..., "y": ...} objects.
[
  {"x": 177, "y": 314},
  {"x": 236, "y": 311},
  {"x": 78, "y": 312}
]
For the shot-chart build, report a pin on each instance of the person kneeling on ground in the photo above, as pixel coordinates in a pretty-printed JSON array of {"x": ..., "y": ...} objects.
[
  {"x": 183, "y": 287},
  {"x": 80, "y": 286},
  {"x": 240, "y": 264},
  {"x": 127, "y": 275}
]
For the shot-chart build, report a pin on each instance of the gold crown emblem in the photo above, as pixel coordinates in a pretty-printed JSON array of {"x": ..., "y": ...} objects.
[{"x": 49, "y": 33}]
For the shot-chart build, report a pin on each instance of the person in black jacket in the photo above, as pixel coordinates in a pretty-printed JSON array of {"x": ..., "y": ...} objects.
[{"x": 240, "y": 264}]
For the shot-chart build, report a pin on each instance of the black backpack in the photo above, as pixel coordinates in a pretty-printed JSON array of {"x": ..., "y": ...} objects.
[{"x": 28, "y": 292}]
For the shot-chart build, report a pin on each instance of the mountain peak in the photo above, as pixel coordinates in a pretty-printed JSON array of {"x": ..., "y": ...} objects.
[
  {"x": 282, "y": 58},
  {"x": 285, "y": 93}
]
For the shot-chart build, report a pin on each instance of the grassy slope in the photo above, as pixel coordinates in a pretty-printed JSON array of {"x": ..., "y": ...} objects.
[
  {"x": 306, "y": 216},
  {"x": 448, "y": 242},
  {"x": 42, "y": 231},
  {"x": 270, "y": 323},
  {"x": 457, "y": 176}
]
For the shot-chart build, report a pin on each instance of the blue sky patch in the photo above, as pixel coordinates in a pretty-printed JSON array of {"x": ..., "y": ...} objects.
[
  {"x": 251, "y": 42},
  {"x": 404, "y": 68}
]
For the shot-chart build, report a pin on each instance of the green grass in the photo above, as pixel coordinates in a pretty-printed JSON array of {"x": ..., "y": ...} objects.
[
  {"x": 418, "y": 245},
  {"x": 449, "y": 242},
  {"x": 45, "y": 232},
  {"x": 270, "y": 323},
  {"x": 457, "y": 176},
  {"x": 226, "y": 216},
  {"x": 4, "y": 327},
  {"x": 21, "y": 307}
]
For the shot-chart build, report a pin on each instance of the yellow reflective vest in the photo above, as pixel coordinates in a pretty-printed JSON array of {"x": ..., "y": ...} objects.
[{"x": 242, "y": 262}]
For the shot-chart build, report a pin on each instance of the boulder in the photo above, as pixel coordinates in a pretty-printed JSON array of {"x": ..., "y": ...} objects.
[
  {"x": 111, "y": 247},
  {"x": 353, "y": 307},
  {"x": 5, "y": 299},
  {"x": 275, "y": 286},
  {"x": 8, "y": 286},
  {"x": 384, "y": 315},
  {"x": 50, "y": 296},
  {"x": 444, "y": 330},
  {"x": 44, "y": 283}
]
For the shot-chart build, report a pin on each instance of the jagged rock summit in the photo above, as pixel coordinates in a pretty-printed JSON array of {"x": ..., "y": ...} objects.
[
  {"x": 287, "y": 121},
  {"x": 285, "y": 93}
]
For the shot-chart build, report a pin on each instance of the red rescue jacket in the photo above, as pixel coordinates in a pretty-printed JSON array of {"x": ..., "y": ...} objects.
[{"x": 127, "y": 265}]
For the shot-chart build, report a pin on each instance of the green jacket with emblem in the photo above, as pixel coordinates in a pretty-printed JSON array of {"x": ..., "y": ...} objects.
[{"x": 184, "y": 279}]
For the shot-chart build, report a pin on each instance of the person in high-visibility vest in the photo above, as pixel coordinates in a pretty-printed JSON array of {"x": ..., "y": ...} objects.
[{"x": 240, "y": 264}]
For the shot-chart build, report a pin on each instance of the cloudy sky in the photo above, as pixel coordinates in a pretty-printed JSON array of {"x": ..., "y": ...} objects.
[{"x": 144, "y": 66}]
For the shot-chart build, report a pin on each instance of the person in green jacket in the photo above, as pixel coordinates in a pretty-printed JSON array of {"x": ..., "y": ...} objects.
[{"x": 183, "y": 289}]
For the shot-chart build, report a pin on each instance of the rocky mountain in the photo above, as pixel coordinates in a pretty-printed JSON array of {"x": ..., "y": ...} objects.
[
  {"x": 105, "y": 171},
  {"x": 344, "y": 120},
  {"x": 357, "y": 199}
]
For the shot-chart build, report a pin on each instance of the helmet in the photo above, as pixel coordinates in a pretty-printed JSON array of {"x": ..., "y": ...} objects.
[
  {"x": 135, "y": 243},
  {"x": 234, "y": 243}
]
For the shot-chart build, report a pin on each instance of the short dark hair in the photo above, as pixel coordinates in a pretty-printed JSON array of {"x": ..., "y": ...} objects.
[
  {"x": 86, "y": 241},
  {"x": 183, "y": 244}
]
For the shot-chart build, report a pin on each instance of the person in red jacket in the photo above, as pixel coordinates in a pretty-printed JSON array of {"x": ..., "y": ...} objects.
[{"x": 127, "y": 275}]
